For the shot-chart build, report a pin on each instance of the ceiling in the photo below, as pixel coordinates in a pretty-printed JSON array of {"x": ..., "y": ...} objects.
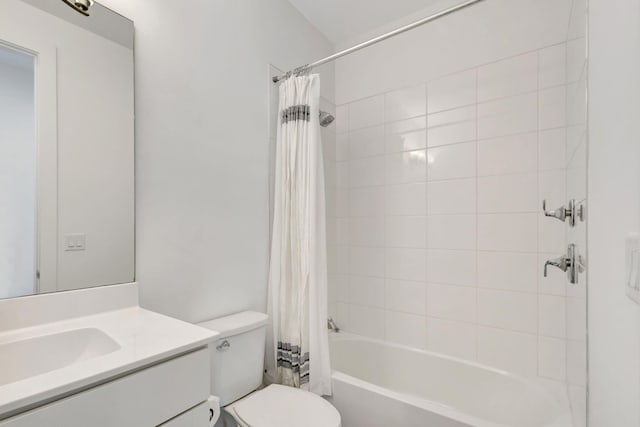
[{"x": 344, "y": 20}]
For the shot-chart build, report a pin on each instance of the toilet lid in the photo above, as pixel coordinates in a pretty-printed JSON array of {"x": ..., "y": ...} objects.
[{"x": 281, "y": 406}]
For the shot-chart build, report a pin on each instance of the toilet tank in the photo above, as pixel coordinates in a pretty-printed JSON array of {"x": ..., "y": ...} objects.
[{"x": 237, "y": 357}]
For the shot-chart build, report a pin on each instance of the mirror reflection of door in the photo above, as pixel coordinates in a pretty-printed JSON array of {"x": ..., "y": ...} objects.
[{"x": 18, "y": 174}]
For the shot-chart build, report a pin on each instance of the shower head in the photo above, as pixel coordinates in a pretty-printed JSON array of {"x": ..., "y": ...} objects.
[{"x": 326, "y": 119}]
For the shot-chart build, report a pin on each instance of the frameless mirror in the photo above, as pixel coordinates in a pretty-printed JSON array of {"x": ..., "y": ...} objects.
[{"x": 66, "y": 146}]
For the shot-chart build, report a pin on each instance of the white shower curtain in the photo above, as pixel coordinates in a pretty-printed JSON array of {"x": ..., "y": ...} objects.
[{"x": 298, "y": 342}]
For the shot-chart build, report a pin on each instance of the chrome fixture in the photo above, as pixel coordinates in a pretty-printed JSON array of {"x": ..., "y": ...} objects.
[
  {"x": 81, "y": 6},
  {"x": 332, "y": 325},
  {"x": 571, "y": 263},
  {"x": 326, "y": 119},
  {"x": 572, "y": 212},
  {"x": 305, "y": 68}
]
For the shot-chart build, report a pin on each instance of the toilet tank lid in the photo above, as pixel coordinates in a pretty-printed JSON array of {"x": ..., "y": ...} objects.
[{"x": 236, "y": 323}]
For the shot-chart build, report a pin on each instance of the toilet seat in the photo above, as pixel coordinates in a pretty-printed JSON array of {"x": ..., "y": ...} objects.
[{"x": 281, "y": 406}]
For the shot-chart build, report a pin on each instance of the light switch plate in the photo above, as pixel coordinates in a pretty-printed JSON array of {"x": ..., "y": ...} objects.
[
  {"x": 632, "y": 274},
  {"x": 75, "y": 242}
]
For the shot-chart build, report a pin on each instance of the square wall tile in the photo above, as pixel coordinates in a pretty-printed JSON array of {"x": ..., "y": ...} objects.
[
  {"x": 340, "y": 286},
  {"x": 508, "y": 232},
  {"x": 366, "y": 291},
  {"x": 366, "y": 172},
  {"x": 366, "y": 231},
  {"x": 452, "y": 91},
  {"x": 452, "y": 338},
  {"x": 508, "y": 193},
  {"x": 510, "y": 271},
  {"x": 552, "y": 316},
  {"x": 340, "y": 313},
  {"x": 451, "y": 162},
  {"x": 342, "y": 118},
  {"x": 406, "y": 329},
  {"x": 366, "y": 142},
  {"x": 552, "y": 358},
  {"x": 452, "y": 197},
  {"x": 406, "y": 264},
  {"x": 452, "y": 267},
  {"x": 366, "y": 201},
  {"x": 553, "y": 149},
  {"x": 576, "y": 319},
  {"x": 508, "y": 77},
  {"x": 364, "y": 261},
  {"x": 552, "y": 236},
  {"x": 406, "y": 232},
  {"x": 406, "y": 167},
  {"x": 508, "y": 116},
  {"x": 515, "y": 311},
  {"x": 406, "y": 297},
  {"x": 451, "y": 232},
  {"x": 406, "y": 135},
  {"x": 342, "y": 147},
  {"x": 511, "y": 351},
  {"x": 406, "y": 199},
  {"x": 513, "y": 154},
  {"x": 342, "y": 175},
  {"x": 406, "y": 103},
  {"x": 552, "y": 108},
  {"x": 577, "y": 369},
  {"x": 553, "y": 66},
  {"x": 552, "y": 188},
  {"x": 452, "y": 302},
  {"x": 366, "y": 112},
  {"x": 367, "y": 321}
]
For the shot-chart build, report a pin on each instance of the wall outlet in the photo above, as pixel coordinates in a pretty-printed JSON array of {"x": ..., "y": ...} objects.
[
  {"x": 633, "y": 267},
  {"x": 75, "y": 242}
]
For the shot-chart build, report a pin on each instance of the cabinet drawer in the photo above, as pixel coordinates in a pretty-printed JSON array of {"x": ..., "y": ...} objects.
[
  {"x": 196, "y": 417},
  {"x": 146, "y": 398}
]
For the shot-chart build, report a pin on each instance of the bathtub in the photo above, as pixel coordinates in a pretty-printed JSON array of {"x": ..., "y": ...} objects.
[{"x": 377, "y": 384}]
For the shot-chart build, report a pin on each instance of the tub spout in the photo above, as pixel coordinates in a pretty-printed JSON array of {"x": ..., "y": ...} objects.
[{"x": 332, "y": 325}]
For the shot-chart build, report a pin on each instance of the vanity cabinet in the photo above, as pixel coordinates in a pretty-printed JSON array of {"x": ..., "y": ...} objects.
[{"x": 171, "y": 393}]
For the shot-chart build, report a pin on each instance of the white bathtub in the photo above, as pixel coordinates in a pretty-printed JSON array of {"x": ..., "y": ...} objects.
[{"x": 377, "y": 384}]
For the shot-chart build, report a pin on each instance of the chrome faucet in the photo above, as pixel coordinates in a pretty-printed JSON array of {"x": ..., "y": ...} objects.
[
  {"x": 573, "y": 212},
  {"x": 332, "y": 325},
  {"x": 571, "y": 263}
]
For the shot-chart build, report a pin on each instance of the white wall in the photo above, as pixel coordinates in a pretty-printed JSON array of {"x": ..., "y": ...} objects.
[
  {"x": 202, "y": 166},
  {"x": 449, "y": 138},
  {"x": 614, "y": 211},
  {"x": 17, "y": 180}
]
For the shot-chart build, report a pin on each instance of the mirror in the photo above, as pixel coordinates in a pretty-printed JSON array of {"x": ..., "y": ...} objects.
[{"x": 66, "y": 147}]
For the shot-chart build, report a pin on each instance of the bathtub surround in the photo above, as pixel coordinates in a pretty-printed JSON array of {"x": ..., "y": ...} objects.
[
  {"x": 297, "y": 339},
  {"x": 442, "y": 166}
]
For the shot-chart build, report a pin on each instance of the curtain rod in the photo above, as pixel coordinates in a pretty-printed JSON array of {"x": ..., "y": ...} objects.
[{"x": 375, "y": 40}]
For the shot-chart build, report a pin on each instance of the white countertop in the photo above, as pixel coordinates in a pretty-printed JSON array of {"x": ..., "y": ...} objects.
[{"x": 144, "y": 338}]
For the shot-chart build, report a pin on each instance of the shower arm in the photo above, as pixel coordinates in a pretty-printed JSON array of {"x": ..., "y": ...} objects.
[{"x": 308, "y": 67}]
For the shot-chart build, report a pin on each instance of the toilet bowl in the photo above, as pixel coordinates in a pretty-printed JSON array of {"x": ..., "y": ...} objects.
[{"x": 237, "y": 363}]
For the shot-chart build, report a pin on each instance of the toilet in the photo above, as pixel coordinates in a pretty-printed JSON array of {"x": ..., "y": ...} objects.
[{"x": 237, "y": 363}]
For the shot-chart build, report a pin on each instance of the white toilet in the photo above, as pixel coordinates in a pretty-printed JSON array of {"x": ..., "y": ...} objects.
[{"x": 237, "y": 363}]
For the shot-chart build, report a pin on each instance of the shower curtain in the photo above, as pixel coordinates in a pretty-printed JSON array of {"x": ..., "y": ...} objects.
[{"x": 298, "y": 341}]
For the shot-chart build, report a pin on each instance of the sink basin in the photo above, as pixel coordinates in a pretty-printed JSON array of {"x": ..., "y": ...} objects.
[{"x": 36, "y": 356}]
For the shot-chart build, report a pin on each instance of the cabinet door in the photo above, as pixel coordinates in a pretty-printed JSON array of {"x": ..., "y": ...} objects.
[{"x": 146, "y": 398}]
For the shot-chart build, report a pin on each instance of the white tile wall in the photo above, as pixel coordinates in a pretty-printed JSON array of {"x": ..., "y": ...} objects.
[{"x": 438, "y": 236}]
